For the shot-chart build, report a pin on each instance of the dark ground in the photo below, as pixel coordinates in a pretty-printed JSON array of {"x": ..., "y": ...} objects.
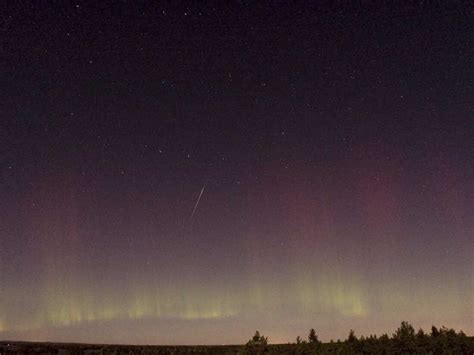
[{"x": 325, "y": 348}]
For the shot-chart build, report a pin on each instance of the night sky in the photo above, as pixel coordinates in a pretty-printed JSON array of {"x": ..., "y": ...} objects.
[{"x": 174, "y": 174}]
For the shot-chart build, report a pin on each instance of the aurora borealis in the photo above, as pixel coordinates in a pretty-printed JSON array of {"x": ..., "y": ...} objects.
[{"x": 335, "y": 145}]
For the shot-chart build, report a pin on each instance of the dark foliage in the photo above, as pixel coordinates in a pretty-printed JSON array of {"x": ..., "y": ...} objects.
[
  {"x": 312, "y": 337},
  {"x": 351, "y": 338},
  {"x": 257, "y": 340},
  {"x": 256, "y": 345},
  {"x": 404, "y": 341}
]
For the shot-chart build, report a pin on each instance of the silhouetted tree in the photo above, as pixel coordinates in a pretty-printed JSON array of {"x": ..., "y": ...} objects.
[
  {"x": 405, "y": 331},
  {"x": 462, "y": 343},
  {"x": 404, "y": 339},
  {"x": 351, "y": 338},
  {"x": 353, "y": 343},
  {"x": 422, "y": 341},
  {"x": 369, "y": 345},
  {"x": 434, "y": 332},
  {"x": 384, "y": 341},
  {"x": 312, "y": 337},
  {"x": 257, "y": 340},
  {"x": 256, "y": 345}
]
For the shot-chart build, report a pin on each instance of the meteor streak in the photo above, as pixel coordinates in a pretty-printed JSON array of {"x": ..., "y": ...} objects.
[{"x": 197, "y": 202}]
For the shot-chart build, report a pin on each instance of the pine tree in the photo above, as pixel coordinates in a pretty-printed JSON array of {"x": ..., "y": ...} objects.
[
  {"x": 257, "y": 339},
  {"x": 312, "y": 337},
  {"x": 352, "y": 338},
  {"x": 404, "y": 339}
]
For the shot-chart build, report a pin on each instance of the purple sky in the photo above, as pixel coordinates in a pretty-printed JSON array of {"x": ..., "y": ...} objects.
[{"x": 335, "y": 145}]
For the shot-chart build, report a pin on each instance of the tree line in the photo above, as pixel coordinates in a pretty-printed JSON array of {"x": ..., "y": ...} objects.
[{"x": 405, "y": 340}]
